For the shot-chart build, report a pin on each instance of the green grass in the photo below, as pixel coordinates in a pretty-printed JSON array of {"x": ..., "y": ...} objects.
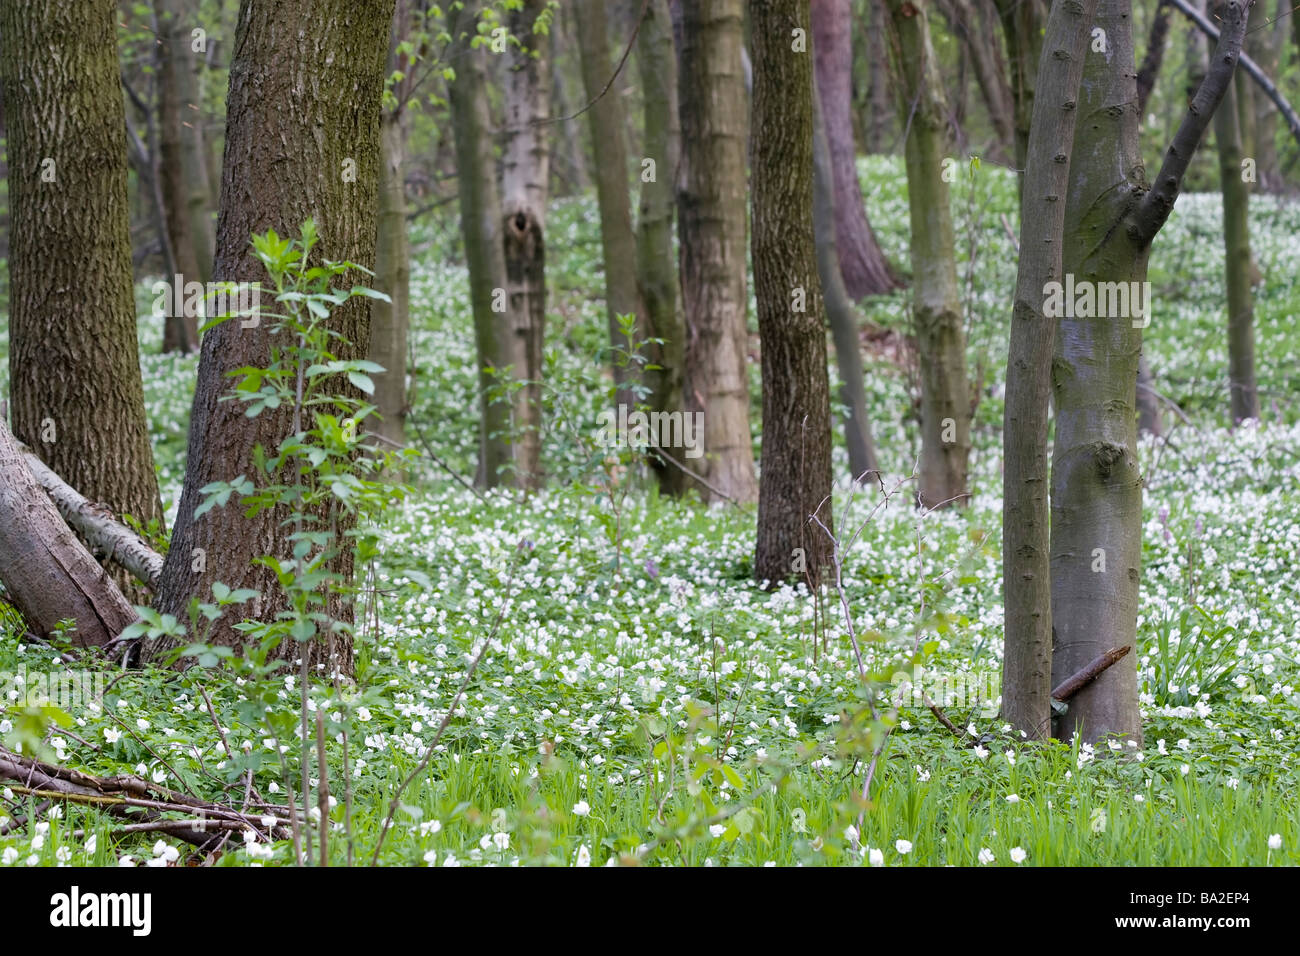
[{"x": 670, "y": 695}]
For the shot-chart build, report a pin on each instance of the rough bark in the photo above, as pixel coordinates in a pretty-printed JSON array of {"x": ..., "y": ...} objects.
[
  {"x": 1237, "y": 260},
  {"x": 617, "y": 241},
  {"x": 936, "y": 304},
  {"x": 390, "y": 321},
  {"x": 47, "y": 573},
  {"x": 711, "y": 216},
  {"x": 796, "y": 472},
  {"x": 302, "y": 141},
  {"x": 843, "y": 319},
  {"x": 525, "y": 189},
  {"x": 1026, "y": 578},
  {"x": 499, "y": 345},
  {"x": 656, "y": 258},
  {"x": 862, "y": 263},
  {"x": 74, "y": 367}
]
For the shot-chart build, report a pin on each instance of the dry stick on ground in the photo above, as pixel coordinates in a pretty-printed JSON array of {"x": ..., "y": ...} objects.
[{"x": 446, "y": 718}]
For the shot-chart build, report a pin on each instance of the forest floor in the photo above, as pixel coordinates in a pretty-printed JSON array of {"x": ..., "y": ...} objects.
[{"x": 643, "y": 697}]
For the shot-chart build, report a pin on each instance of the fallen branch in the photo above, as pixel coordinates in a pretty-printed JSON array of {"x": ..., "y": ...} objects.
[
  {"x": 96, "y": 524},
  {"x": 1072, "y": 685}
]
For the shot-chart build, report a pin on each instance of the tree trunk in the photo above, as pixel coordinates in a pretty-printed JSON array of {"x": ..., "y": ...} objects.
[
  {"x": 500, "y": 346},
  {"x": 525, "y": 188},
  {"x": 47, "y": 573},
  {"x": 863, "y": 464},
  {"x": 578, "y": 178},
  {"x": 985, "y": 55},
  {"x": 1154, "y": 56},
  {"x": 796, "y": 472},
  {"x": 180, "y": 332},
  {"x": 327, "y": 60},
  {"x": 711, "y": 211},
  {"x": 1026, "y": 581},
  {"x": 1264, "y": 44},
  {"x": 656, "y": 259},
  {"x": 618, "y": 244},
  {"x": 1237, "y": 260},
  {"x": 1113, "y": 216},
  {"x": 862, "y": 263},
  {"x": 1023, "y": 25},
  {"x": 880, "y": 126},
  {"x": 74, "y": 365},
  {"x": 936, "y": 306},
  {"x": 390, "y": 321}
]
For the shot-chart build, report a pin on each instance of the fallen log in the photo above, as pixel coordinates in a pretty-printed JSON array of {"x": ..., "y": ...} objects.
[
  {"x": 49, "y": 575},
  {"x": 96, "y": 524}
]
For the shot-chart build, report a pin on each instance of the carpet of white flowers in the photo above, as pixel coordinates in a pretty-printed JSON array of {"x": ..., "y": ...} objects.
[{"x": 643, "y": 700}]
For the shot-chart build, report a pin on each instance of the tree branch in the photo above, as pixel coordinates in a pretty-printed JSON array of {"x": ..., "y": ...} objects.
[{"x": 1155, "y": 207}]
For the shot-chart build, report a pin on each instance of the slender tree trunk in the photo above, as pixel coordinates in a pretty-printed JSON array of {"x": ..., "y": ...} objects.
[
  {"x": 941, "y": 341},
  {"x": 74, "y": 366},
  {"x": 796, "y": 473},
  {"x": 863, "y": 464},
  {"x": 711, "y": 211},
  {"x": 1264, "y": 45},
  {"x": 1148, "y": 402},
  {"x": 862, "y": 263},
  {"x": 1026, "y": 580},
  {"x": 499, "y": 347},
  {"x": 984, "y": 51},
  {"x": 568, "y": 100},
  {"x": 1154, "y": 56},
  {"x": 180, "y": 332},
  {"x": 656, "y": 259},
  {"x": 327, "y": 60},
  {"x": 525, "y": 189},
  {"x": 390, "y": 321},
  {"x": 880, "y": 128},
  {"x": 1237, "y": 260},
  {"x": 1023, "y": 25},
  {"x": 47, "y": 573},
  {"x": 618, "y": 243}
]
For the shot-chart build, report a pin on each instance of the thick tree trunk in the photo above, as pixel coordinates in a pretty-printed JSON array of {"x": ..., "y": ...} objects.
[
  {"x": 74, "y": 366},
  {"x": 1238, "y": 262},
  {"x": 499, "y": 344},
  {"x": 47, "y": 573},
  {"x": 525, "y": 189},
  {"x": 1023, "y": 25},
  {"x": 1096, "y": 538},
  {"x": 390, "y": 321},
  {"x": 862, "y": 263},
  {"x": 618, "y": 243},
  {"x": 936, "y": 305},
  {"x": 796, "y": 472},
  {"x": 711, "y": 211},
  {"x": 180, "y": 332},
  {"x": 1026, "y": 579},
  {"x": 843, "y": 319},
  {"x": 656, "y": 258},
  {"x": 1114, "y": 215},
  {"x": 317, "y": 159}
]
